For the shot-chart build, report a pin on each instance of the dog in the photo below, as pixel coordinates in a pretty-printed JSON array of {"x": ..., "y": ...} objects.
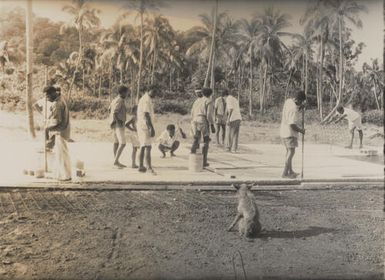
[{"x": 248, "y": 215}]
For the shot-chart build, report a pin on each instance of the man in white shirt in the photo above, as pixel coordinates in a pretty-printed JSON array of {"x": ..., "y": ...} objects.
[
  {"x": 354, "y": 121},
  {"x": 220, "y": 116},
  {"x": 169, "y": 140},
  {"x": 118, "y": 115},
  {"x": 146, "y": 131},
  {"x": 289, "y": 130},
  {"x": 202, "y": 114},
  {"x": 233, "y": 122}
]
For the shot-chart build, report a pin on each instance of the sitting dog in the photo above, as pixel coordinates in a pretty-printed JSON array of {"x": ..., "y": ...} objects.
[{"x": 248, "y": 215}]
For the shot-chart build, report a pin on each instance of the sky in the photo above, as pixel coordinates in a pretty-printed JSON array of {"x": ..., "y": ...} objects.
[{"x": 184, "y": 14}]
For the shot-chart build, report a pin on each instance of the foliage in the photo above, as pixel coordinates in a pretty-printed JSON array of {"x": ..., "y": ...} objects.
[{"x": 250, "y": 58}]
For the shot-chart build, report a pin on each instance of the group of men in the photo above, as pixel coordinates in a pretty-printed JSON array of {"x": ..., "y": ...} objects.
[
  {"x": 224, "y": 112},
  {"x": 205, "y": 113}
]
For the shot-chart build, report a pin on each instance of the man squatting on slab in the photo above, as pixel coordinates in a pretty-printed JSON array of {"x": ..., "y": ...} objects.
[{"x": 169, "y": 140}]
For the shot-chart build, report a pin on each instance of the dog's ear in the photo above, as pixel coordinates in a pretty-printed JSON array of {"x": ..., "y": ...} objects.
[{"x": 236, "y": 186}]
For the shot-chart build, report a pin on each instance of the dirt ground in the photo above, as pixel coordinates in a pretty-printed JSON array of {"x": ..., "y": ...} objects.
[{"x": 328, "y": 234}]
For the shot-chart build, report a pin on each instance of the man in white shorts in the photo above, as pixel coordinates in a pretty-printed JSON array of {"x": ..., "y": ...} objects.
[
  {"x": 354, "y": 121},
  {"x": 118, "y": 112},
  {"x": 146, "y": 131}
]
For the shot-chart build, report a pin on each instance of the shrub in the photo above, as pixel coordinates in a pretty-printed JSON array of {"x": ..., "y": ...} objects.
[
  {"x": 179, "y": 106},
  {"x": 375, "y": 117}
]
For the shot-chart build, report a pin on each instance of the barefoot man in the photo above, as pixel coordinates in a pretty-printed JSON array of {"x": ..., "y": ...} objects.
[
  {"x": 118, "y": 115},
  {"x": 58, "y": 124},
  {"x": 146, "y": 131},
  {"x": 289, "y": 130}
]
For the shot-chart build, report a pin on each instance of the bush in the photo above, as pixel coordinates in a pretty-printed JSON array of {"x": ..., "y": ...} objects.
[
  {"x": 179, "y": 106},
  {"x": 375, "y": 117},
  {"x": 89, "y": 107}
]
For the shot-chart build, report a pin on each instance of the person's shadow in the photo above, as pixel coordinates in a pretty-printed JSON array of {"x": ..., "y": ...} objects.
[{"x": 309, "y": 232}]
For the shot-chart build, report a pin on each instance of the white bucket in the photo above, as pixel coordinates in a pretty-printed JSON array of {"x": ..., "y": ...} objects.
[{"x": 195, "y": 163}]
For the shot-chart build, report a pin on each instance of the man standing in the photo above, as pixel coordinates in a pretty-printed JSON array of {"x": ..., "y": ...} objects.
[
  {"x": 118, "y": 115},
  {"x": 220, "y": 116},
  {"x": 146, "y": 131},
  {"x": 58, "y": 124},
  {"x": 202, "y": 114},
  {"x": 289, "y": 130},
  {"x": 233, "y": 122}
]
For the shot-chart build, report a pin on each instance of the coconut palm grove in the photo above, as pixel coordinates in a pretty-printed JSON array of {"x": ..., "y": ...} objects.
[{"x": 255, "y": 57}]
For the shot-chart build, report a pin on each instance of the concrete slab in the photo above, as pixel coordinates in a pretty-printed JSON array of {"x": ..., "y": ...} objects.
[{"x": 261, "y": 164}]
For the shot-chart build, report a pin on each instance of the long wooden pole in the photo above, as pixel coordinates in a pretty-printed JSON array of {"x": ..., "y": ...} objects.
[
  {"x": 45, "y": 121},
  {"x": 29, "y": 41},
  {"x": 303, "y": 142}
]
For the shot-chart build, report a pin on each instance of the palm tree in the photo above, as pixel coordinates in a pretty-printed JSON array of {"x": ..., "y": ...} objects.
[
  {"x": 158, "y": 39},
  {"x": 302, "y": 50},
  {"x": 248, "y": 36},
  {"x": 270, "y": 45},
  {"x": 374, "y": 76},
  {"x": 83, "y": 17},
  {"x": 318, "y": 18},
  {"x": 340, "y": 11},
  {"x": 142, "y": 7},
  {"x": 207, "y": 49}
]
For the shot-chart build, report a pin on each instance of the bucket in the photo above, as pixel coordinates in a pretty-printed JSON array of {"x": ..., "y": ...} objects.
[{"x": 195, "y": 163}]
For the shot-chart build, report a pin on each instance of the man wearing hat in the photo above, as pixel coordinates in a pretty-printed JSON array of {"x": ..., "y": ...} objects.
[{"x": 58, "y": 124}]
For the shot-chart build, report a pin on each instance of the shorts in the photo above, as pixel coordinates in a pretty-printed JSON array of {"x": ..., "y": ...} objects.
[
  {"x": 144, "y": 137},
  {"x": 133, "y": 139},
  {"x": 119, "y": 136},
  {"x": 290, "y": 142},
  {"x": 357, "y": 123},
  {"x": 220, "y": 120},
  {"x": 200, "y": 129}
]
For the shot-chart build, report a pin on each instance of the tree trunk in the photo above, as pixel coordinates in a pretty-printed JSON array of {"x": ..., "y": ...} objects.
[
  {"x": 153, "y": 63},
  {"x": 212, "y": 76},
  {"x": 338, "y": 98},
  {"x": 321, "y": 80},
  {"x": 375, "y": 95},
  {"x": 110, "y": 83},
  {"x": 288, "y": 83},
  {"x": 29, "y": 48},
  {"x": 206, "y": 83},
  {"x": 140, "y": 58},
  {"x": 170, "y": 80},
  {"x": 100, "y": 84},
  {"x": 262, "y": 98},
  {"x": 306, "y": 73},
  {"x": 251, "y": 82},
  {"x": 80, "y": 31},
  {"x": 83, "y": 85}
]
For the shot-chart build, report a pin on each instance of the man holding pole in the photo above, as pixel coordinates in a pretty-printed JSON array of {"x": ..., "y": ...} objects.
[
  {"x": 58, "y": 124},
  {"x": 289, "y": 130}
]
